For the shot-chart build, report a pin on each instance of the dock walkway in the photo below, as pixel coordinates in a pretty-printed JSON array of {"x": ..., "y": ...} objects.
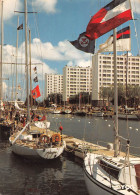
[{"x": 79, "y": 147}]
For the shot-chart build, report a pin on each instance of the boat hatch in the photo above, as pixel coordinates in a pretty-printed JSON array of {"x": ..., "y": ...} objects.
[
  {"x": 35, "y": 134},
  {"x": 110, "y": 169}
]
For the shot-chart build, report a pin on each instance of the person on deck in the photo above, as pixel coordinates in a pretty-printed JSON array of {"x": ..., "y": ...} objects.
[
  {"x": 24, "y": 120},
  {"x": 11, "y": 114},
  {"x": 17, "y": 116},
  {"x": 33, "y": 115}
]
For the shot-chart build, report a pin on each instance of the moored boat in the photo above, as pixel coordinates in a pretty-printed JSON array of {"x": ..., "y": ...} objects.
[
  {"x": 127, "y": 116},
  {"x": 35, "y": 142},
  {"x": 110, "y": 171},
  {"x": 109, "y": 175}
]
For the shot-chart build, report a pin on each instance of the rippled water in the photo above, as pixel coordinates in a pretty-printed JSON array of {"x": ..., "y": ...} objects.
[
  {"x": 59, "y": 176},
  {"x": 62, "y": 176}
]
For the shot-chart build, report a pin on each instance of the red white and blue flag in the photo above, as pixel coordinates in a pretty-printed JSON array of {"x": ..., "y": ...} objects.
[
  {"x": 109, "y": 17},
  {"x": 123, "y": 41}
]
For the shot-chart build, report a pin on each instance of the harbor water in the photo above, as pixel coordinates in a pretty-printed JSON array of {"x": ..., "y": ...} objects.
[{"x": 63, "y": 175}]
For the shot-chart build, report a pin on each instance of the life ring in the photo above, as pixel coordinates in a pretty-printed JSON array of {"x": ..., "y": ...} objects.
[
  {"x": 44, "y": 139},
  {"x": 56, "y": 137}
]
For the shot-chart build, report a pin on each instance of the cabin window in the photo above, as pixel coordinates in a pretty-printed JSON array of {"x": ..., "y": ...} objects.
[
  {"x": 114, "y": 172},
  {"x": 36, "y": 135}
]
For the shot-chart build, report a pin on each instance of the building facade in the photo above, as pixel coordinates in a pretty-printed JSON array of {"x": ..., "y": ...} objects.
[
  {"x": 53, "y": 84},
  {"x": 75, "y": 80},
  {"x": 103, "y": 72}
]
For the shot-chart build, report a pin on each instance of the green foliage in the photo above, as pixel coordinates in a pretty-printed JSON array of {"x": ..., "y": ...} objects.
[{"x": 130, "y": 94}]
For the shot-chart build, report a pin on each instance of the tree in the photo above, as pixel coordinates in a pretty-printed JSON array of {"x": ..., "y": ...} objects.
[
  {"x": 106, "y": 93},
  {"x": 121, "y": 94},
  {"x": 133, "y": 95}
]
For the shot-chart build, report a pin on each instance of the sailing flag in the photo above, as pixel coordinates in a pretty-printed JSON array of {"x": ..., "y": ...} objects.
[
  {"x": 35, "y": 69},
  {"x": 123, "y": 42},
  {"x": 109, "y": 17},
  {"x": 43, "y": 118},
  {"x": 36, "y": 92},
  {"x": 20, "y": 27},
  {"x": 83, "y": 43},
  {"x": 36, "y": 79}
]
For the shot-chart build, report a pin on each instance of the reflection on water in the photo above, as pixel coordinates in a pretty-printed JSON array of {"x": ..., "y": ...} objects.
[
  {"x": 52, "y": 177},
  {"x": 20, "y": 176}
]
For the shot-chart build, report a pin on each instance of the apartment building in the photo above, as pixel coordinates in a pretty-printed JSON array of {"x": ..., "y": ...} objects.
[
  {"x": 75, "y": 80},
  {"x": 53, "y": 84},
  {"x": 103, "y": 72}
]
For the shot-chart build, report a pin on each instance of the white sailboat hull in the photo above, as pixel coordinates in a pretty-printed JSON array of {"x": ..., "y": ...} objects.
[
  {"x": 94, "y": 187},
  {"x": 44, "y": 153},
  {"x": 56, "y": 112},
  {"x": 98, "y": 114},
  {"x": 128, "y": 116},
  {"x": 98, "y": 182},
  {"x": 67, "y": 111}
]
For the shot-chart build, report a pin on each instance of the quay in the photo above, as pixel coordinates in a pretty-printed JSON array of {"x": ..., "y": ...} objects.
[{"x": 79, "y": 148}]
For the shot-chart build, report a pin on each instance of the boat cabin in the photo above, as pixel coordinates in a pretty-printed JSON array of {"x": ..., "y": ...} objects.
[{"x": 122, "y": 171}]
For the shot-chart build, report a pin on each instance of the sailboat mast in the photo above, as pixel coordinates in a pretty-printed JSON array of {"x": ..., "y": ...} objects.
[
  {"x": 1, "y": 55},
  {"x": 26, "y": 60},
  {"x": 30, "y": 69},
  {"x": 16, "y": 57},
  {"x": 126, "y": 78},
  {"x": 116, "y": 141}
]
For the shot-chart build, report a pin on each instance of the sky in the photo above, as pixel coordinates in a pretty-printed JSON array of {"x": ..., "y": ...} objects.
[{"x": 53, "y": 24}]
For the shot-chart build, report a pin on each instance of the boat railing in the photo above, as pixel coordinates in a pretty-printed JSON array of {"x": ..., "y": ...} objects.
[{"x": 20, "y": 133}]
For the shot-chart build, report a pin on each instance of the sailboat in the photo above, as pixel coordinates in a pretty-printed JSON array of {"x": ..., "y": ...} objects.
[
  {"x": 6, "y": 126},
  {"x": 110, "y": 171},
  {"x": 80, "y": 112},
  {"x": 35, "y": 139}
]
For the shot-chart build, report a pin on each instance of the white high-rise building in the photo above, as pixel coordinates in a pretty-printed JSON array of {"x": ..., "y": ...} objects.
[
  {"x": 53, "y": 84},
  {"x": 103, "y": 72},
  {"x": 75, "y": 80}
]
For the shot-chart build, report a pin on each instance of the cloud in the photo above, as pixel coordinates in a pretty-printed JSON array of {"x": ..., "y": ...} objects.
[
  {"x": 9, "y": 7},
  {"x": 43, "y": 55},
  {"x": 64, "y": 51},
  {"x": 41, "y": 52},
  {"x": 80, "y": 63},
  {"x": 136, "y": 6},
  {"x": 4, "y": 85},
  {"x": 84, "y": 63},
  {"x": 9, "y": 56},
  {"x": 48, "y": 6}
]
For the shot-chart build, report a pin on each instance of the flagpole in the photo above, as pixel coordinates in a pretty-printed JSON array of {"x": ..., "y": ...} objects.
[
  {"x": 26, "y": 61},
  {"x": 1, "y": 55},
  {"x": 126, "y": 76},
  {"x": 30, "y": 68},
  {"x": 116, "y": 141},
  {"x": 16, "y": 58}
]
